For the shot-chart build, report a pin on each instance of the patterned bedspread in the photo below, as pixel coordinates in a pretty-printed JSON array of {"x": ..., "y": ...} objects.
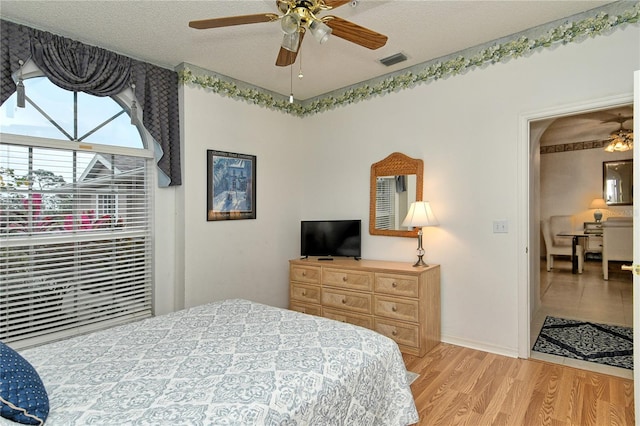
[{"x": 227, "y": 363}]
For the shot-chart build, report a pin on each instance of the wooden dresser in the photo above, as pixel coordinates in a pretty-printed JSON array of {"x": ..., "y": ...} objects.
[{"x": 393, "y": 298}]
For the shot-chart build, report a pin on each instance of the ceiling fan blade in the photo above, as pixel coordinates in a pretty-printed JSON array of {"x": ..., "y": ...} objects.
[
  {"x": 287, "y": 57},
  {"x": 355, "y": 33},
  {"x": 233, "y": 20},
  {"x": 336, "y": 3}
]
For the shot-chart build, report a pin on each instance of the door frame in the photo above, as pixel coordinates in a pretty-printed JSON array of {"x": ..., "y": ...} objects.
[{"x": 528, "y": 206}]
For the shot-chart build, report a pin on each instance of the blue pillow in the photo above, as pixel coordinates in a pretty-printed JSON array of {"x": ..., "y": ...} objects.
[{"x": 23, "y": 397}]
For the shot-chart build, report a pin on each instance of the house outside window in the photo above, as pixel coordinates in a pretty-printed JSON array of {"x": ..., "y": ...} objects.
[
  {"x": 75, "y": 216},
  {"x": 106, "y": 205}
]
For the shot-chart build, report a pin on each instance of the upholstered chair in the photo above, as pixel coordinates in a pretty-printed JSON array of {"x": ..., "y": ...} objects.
[
  {"x": 617, "y": 241},
  {"x": 560, "y": 246}
]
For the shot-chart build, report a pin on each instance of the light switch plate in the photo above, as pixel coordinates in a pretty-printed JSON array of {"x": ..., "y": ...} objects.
[{"x": 500, "y": 226}]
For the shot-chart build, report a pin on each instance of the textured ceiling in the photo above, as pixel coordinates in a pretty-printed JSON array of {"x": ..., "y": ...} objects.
[
  {"x": 158, "y": 32},
  {"x": 592, "y": 126}
]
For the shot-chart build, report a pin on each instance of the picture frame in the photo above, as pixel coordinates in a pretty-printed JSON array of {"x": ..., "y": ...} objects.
[{"x": 231, "y": 186}]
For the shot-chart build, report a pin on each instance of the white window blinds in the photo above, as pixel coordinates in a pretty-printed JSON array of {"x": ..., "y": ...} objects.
[
  {"x": 385, "y": 202},
  {"x": 75, "y": 242}
]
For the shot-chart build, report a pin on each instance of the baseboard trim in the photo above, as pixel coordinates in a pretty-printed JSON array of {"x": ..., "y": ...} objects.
[{"x": 481, "y": 346}]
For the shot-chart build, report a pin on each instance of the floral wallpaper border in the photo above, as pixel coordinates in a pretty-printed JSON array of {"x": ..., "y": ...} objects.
[{"x": 604, "y": 22}]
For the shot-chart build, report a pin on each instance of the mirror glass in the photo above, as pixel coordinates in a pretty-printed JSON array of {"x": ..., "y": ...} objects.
[
  {"x": 617, "y": 182},
  {"x": 396, "y": 182},
  {"x": 394, "y": 195}
]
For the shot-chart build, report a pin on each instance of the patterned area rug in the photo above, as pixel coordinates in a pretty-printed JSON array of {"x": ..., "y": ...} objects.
[{"x": 601, "y": 343}]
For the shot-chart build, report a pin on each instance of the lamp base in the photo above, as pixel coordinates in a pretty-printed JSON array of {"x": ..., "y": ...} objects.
[
  {"x": 597, "y": 215},
  {"x": 420, "y": 262}
]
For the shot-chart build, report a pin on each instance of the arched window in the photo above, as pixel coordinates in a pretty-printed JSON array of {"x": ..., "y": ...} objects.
[{"x": 75, "y": 229}]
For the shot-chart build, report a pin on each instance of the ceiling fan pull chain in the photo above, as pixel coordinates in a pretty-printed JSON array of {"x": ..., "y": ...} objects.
[
  {"x": 291, "y": 84},
  {"x": 300, "y": 75}
]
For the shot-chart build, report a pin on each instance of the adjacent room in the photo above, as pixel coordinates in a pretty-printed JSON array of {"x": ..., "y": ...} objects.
[
  {"x": 586, "y": 181},
  {"x": 318, "y": 211}
]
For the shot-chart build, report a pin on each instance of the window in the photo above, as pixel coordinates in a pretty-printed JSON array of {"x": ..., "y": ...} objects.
[{"x": 75, "y": 233}]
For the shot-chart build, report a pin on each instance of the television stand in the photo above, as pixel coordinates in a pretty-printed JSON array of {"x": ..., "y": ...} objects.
[{"x": 393, "y": 298}]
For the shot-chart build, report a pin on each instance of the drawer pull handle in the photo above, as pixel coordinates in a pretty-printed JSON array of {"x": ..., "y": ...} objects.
[
  {"x": 344, "y": 279},
  {"x": 394, "y": 284},
  {"x": 394, "y": 309},
  {"x": 344, "y": 301},
  {"x": 304, "y": 292},
  {"x": 304, "y": 273},
  {"x": 394, "y": 333}
]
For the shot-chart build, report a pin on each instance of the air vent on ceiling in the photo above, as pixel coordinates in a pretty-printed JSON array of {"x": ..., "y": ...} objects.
[{"x": 393, "y": 59}]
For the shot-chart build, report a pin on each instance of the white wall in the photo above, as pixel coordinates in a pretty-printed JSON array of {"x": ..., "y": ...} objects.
[
  {"x": 465, "y": 128},
  {"x": 569, "y": 181},
  {"x": 240, "y": 258}
]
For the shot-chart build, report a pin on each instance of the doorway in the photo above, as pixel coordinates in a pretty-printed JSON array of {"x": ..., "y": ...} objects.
[{"x": 559, "y": 292}]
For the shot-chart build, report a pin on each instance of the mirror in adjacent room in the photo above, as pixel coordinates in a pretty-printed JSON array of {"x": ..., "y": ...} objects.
[
  {"x": 396, "y": 182},
  {"x": 617, "y": 182}
]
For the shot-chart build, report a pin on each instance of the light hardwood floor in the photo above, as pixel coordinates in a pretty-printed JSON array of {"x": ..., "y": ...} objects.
[{"x": 461, "y": 386}]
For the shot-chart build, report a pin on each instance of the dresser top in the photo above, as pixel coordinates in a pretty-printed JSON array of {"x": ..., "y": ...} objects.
[{"x": 373, "y": 265}]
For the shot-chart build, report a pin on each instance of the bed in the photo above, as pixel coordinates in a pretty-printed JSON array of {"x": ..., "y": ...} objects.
[{"x": 233, "y": 362}]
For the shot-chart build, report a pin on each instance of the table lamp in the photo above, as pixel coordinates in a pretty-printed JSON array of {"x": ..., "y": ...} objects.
[
  {"x": 419, "y": 216},
  {"x": 598, "y": 203}
]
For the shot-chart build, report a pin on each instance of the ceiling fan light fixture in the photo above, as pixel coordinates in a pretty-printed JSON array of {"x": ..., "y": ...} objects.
[
  {"x": 290, "y": 23},
  {"x": 621, "y": 140},
  {"x": 320, "y": 30},
  {"x": 291, "y": 41}
]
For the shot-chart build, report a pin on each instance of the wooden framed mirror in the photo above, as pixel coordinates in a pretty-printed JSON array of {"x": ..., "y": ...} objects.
[
  {"x": 395, "y": 183},
  {"x": 617, "y": 182}
]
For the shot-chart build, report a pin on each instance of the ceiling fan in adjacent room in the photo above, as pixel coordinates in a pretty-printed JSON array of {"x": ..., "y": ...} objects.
[
  {"x": 622, "y": 139},
  {"x": 298, "y": 17}
]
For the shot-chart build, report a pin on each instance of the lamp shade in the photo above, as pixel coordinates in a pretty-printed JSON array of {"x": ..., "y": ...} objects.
[
  {"x": 291, "y": 41},
  {"x": 320, "y": 30},
  {"x": 420, "y": 215},
  {"x": 598, "y": 203},
  {"x": 290, "y": 23}
]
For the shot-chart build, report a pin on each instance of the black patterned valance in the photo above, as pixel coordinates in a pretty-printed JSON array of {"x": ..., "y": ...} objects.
[{"x": 79, "y": 67}]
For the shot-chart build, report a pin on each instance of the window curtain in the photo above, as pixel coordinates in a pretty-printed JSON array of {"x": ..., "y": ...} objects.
[{"x": 79, "y": 67}]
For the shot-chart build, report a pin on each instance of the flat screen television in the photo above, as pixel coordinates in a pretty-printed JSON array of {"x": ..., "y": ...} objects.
[{"x": 330, "y": 238}]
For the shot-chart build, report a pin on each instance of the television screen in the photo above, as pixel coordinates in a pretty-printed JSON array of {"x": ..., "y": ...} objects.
[{"x": 330, "y": 238}]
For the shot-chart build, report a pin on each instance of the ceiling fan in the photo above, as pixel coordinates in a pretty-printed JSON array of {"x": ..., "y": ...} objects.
[
  {"x": 299, "y": 16},
  {"x": 622, "y": 139}
]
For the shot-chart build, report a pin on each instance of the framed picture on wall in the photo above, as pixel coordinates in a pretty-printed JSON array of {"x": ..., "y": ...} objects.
[{"x": 231, "y": 186}]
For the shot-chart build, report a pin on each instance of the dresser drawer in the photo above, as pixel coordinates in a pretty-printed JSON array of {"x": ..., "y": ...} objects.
[
  {"x": 402, "y": 309},
  {"x": 403, "y": 334},
  {"x": 398, "y": 285},
  {"x": 365, "y": 321},
  {"x": 345, "y": 278},
  {"x": 304, "y": 292},
  {"x": 342, "y": 299},
  {"x": 305, "y": 274},
  {"x": 305, "y": 309}
]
